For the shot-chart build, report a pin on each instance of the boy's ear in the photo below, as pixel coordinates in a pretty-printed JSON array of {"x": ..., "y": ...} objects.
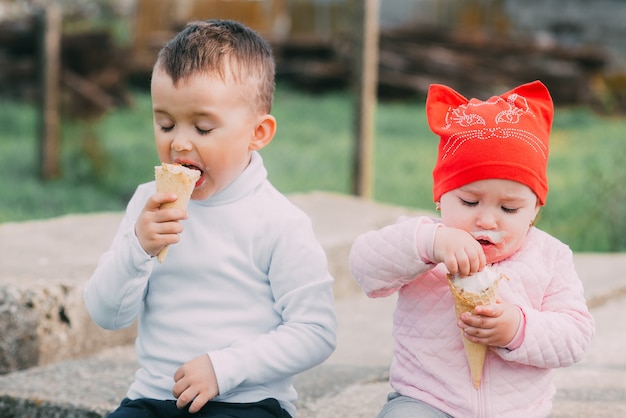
[{"x": 263, "y": 133}]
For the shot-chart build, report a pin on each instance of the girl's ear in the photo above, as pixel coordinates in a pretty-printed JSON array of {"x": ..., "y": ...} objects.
[
  {"x": 263, "y": 133},
  {"x": 537, "y": 208}
]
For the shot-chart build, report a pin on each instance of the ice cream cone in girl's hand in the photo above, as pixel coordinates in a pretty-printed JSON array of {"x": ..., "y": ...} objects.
[
  {"x": 478, "y": 289},
  {"x": 178, "y": 179}
]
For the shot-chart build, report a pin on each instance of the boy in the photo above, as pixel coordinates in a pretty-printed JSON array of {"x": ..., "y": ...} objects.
[{"x": 243, "y": 301}]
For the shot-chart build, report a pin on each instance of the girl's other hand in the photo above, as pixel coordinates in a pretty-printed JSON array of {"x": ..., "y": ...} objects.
[{"x": 494, "y": 324}]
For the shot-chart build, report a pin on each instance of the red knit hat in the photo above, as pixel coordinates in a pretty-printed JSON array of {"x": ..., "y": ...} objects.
[{"x": 505, "y": 137}]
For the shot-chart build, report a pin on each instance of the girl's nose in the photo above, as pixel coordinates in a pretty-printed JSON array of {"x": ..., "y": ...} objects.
[{"x": 486, "y": 220}]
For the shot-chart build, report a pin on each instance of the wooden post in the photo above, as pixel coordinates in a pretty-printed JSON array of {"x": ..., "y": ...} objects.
[
  {"x": 50, "y": 69},
  {"x": 366, "y": 81}
]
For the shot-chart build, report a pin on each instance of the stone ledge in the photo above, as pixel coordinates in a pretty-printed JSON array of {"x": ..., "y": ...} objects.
[
  {"x": 42, "y": 313},
  {"x": 101, "y": 381},
  {"x": 353, "y": 379},
  {"x": 46, "y": 322},
  {"x": 89, "y": 387},
  {"x": 47, "y": 262}
]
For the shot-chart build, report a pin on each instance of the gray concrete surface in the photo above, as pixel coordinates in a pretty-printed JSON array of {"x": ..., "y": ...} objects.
[
  {"x": 45, "y": 265},
  {"x": 43, "y": 269},
  {"x": 352, "y": 383}
]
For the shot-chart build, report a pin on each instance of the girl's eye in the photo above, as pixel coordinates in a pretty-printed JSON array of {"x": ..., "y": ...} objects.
[
  {"x": 468, "y": 203},
  {"x": 167, "y": 128},
  {"x": 509, "y": 210}
]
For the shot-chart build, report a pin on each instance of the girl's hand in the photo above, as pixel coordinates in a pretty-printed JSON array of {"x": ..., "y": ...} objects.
[
  {"x": 459, "y": 251},
  {"x": 494, "y": 325},
  {"x": 156, "y": 228}
]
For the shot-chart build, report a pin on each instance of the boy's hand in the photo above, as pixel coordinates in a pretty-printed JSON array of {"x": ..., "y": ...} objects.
[
  {"x": 458, "y": 250},
  {"x": 156, "y": 227},
  {"x": 494, "y": 324},
  {"x": 195, "y": 383}
]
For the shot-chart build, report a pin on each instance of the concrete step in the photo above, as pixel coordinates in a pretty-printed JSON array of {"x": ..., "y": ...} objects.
[
  {"x": 75, "y": 370},
  {"x": 93, "y": 386},
  {"x": 45, "y": 265},
  {"x": 351, "y": 383}
]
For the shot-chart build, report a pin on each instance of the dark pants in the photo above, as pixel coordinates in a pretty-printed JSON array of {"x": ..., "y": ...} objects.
[{"x": 153, "y": 408}]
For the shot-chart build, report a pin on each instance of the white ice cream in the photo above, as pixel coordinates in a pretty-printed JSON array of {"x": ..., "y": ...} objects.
[
  {"x": 476, "y": 282},
  {"x": 494, "y": 236}
]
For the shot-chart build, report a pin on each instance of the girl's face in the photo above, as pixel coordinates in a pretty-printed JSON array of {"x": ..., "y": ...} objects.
[
  {"x": 498, "y": 213},
  {"x": 205, "y": 123}
]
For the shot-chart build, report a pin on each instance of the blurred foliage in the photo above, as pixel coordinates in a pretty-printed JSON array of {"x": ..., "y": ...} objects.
[{"x": 312, "y": 150}]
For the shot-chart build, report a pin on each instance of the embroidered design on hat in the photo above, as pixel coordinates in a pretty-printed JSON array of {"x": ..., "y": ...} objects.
[{"x": 464, "y": 117}]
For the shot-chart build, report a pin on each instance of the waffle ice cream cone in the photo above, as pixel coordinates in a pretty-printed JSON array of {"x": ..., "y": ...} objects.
[
  {"x": 467, "y": 296},
  {"x": 178, "y": 179}
]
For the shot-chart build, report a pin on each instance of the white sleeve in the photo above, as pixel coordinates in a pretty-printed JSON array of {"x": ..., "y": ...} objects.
[{"x": 114, "y": 293}]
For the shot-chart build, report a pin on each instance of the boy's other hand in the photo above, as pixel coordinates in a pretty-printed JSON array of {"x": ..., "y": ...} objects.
[
  {"x": 458, "y": 250},
  {"x": 195, "y": 383},
  {"x": 156, "y": 227}
]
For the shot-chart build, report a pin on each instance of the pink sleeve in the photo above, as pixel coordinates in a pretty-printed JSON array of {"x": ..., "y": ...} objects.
[
  {"x": 425, "y": 240},
  {"x": 517, "y": 340},
  {"x": 383, "y": 261}
]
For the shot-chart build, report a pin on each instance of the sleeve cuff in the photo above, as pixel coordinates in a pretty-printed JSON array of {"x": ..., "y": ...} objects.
[
  {"x": 518, "y": 339},
  {"x": 425, "y": 239}
]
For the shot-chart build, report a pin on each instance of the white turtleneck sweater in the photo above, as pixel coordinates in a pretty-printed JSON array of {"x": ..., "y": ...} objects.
[{"x": 248, "y": 284}]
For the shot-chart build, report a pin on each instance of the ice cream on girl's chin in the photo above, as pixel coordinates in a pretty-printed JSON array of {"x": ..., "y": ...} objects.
[{"x": 476, "y": 282}]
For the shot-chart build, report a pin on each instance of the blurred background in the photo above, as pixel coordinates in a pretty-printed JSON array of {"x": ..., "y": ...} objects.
[
  {"x": 476, "y": 46},
  {"x": 76, "y": 125}
]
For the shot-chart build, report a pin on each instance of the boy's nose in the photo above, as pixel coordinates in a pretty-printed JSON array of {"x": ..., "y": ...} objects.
[{"x": 179, "y": 144}]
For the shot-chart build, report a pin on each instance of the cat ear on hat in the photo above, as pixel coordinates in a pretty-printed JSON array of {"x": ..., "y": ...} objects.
[
  {"x": 535, "y": 89},
  {"x": 538, "y": 99},
  {"x": 438, "y": 101}
]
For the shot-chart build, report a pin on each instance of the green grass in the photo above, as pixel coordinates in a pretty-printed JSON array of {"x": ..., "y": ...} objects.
[
  {"x": 103, "y": 162},
  {"x": 587, "y": 174},
  {"x": 126, "y": 155}
]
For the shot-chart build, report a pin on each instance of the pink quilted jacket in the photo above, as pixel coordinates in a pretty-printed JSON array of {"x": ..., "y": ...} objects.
[{"x": 429, "y": 361}]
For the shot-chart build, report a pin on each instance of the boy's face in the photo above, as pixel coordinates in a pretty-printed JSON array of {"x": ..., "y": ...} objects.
[
  {"x": 204, "y": 123},
  {"x": 498, "y": 213}
]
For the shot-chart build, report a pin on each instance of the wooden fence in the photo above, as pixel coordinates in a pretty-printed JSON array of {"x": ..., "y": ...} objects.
[{"x": 156, "y": 21}]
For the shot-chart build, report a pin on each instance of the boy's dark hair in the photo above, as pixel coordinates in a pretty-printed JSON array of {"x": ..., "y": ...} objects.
[{"x": 225, "y": 48}]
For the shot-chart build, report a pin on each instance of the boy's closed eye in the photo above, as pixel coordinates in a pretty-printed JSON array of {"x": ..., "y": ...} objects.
[{"x": 203, "y": 131}]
